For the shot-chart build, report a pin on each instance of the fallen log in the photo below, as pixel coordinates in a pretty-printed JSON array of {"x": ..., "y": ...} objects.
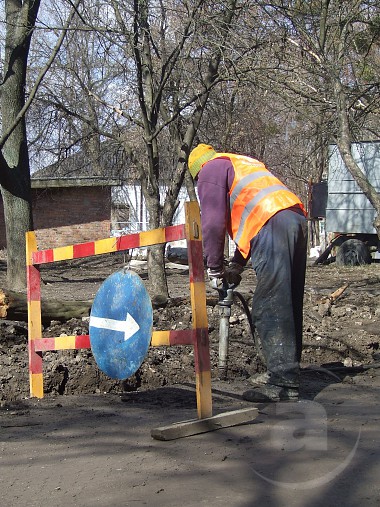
[{"x": 13, "y": 306}]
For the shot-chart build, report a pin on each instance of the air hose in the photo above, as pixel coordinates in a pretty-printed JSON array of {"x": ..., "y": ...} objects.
[
  {"x": 255, "y": 336},
  {"x": 226, "y": 298},
  {"x": 247, "y": 311}
]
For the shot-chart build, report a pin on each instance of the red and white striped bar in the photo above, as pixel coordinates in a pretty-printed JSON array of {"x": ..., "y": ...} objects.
[
  {"x": 109, "y": 245},
  {"x": 197, "y": 336},
  {"x": 159, "y": 338}
]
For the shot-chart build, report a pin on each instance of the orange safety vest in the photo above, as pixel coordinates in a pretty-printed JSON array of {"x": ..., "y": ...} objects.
[{"x": 255, "y": 196}]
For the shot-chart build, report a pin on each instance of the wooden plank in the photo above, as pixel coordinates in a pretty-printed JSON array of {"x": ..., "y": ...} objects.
[
  {"x": 36, "y": 382},
  {"x": 199, "y": 311},
  {"x": 197, "y": 426}
]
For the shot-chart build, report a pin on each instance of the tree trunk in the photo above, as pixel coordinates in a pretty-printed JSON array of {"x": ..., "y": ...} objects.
[
  {"x": 14, "y": 160},
  {"x": 157, "y": 276},
  {"x": 344, "y": 146},
  {"x": 368, "y": 190},
  {"x": 18, "y": 220},
  {"x": 156, "y": 253}
]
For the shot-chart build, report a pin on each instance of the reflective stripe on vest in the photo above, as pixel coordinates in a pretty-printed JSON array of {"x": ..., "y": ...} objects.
[{"x": 253, "y": 202}]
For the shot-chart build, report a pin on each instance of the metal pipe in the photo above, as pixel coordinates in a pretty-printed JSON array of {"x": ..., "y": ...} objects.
[
  {"x": 224, "y": 330},
  {"x": 226, "y": 298}
]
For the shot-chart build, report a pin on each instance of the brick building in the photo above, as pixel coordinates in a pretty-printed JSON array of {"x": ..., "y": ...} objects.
[{"x": 68, "y": 210}]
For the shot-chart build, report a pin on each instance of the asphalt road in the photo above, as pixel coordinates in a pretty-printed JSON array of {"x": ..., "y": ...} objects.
[{"x": 97, "y": 450}]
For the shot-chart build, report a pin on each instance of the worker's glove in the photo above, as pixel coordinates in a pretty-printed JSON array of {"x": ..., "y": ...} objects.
[
  {"x": 216, "y": 277},
  {"x": 232, "y": 273}
]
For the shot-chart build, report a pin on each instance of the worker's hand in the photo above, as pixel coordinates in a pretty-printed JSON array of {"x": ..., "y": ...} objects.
[
  {"x": 232, "y": 273},
  {"x": 216, "y": 277}
]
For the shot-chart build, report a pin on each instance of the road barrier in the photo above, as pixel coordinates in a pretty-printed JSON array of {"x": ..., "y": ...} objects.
[{"x": 197, "y": 336}]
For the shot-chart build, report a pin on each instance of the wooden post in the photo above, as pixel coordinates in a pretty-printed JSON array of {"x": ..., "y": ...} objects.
[
  {"x": 199, "y": 312},
  {"x": 34, "y": 317}
]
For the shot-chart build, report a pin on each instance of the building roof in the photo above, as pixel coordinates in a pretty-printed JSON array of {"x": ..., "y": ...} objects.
[
  {"x": 73, "y": 182},
  {"x": 109, "y": 169}
]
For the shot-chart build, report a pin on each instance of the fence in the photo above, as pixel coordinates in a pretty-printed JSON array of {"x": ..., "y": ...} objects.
[{"x": 197, "y": 336}]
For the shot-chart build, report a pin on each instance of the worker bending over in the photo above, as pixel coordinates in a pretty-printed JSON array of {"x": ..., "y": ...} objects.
[{"x": 267, "y": 222}]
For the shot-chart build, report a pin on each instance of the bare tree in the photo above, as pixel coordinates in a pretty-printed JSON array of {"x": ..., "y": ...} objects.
[
  {"x": 327, "y": 68},
  {"x": 166, "y": 59},
  {"x": 159, "y": 94},
  {"x": 357, "y": 96},
  {"x": 14, "y": 161},
  {"x": 20, "y": 18}
]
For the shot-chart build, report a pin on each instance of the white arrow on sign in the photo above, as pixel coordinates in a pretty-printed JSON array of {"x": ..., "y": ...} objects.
[{"x": 128, "y": 326}]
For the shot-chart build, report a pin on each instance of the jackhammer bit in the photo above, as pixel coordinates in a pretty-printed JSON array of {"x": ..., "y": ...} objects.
[{"x": 226, "y": 299}]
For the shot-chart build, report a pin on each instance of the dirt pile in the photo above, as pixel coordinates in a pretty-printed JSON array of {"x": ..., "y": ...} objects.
[{"x": 344, "y": 331}]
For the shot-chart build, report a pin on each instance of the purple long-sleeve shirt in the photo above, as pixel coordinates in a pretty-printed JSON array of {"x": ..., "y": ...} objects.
[{"x": 214, "y": 182}]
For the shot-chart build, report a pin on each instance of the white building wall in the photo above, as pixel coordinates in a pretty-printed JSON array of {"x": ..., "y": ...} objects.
[{"x": 131, "y": 195}]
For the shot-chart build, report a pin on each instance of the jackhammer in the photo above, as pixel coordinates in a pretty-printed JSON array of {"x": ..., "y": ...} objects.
[{"x": 226, "y": 298}]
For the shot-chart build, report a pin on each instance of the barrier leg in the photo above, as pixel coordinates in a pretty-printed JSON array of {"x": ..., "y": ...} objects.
[
  {"x": 199, "y": 313},
  {"x": 34, "y": 318}
]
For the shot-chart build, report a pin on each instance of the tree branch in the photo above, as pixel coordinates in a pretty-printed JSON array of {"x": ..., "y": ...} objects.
[{"x": 40, "y": 77}]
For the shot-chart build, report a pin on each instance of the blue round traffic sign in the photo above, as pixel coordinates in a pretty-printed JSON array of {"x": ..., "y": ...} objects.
[{"x": 121, "y": 323}]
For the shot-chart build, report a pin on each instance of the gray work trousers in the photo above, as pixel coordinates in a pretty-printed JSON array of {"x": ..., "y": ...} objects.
[{"x": 278, "y": 254}]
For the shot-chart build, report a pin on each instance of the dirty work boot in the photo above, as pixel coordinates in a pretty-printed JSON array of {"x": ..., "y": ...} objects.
[{"x": 270, "y": 392}]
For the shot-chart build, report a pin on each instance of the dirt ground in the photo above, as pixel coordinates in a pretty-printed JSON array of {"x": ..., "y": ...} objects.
[{"x": 88, "y": 442}]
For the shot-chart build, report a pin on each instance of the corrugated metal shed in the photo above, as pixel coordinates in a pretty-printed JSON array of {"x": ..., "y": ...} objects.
[{"x": 348, "y": 210}]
